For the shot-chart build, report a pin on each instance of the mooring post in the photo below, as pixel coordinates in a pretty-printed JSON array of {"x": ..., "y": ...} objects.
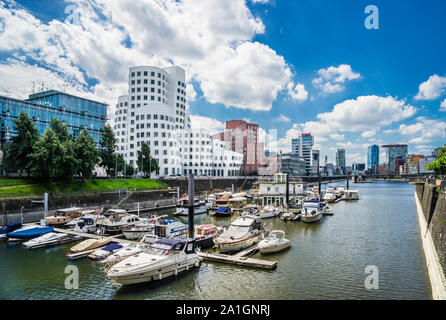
[
  {"x": 45, "y": 204},
  {"x": 191, "y": 205},
  {"x": 347, "y": 181},
  {"x": 178, "y": 193},
  {"x": 287, "y": 196}
]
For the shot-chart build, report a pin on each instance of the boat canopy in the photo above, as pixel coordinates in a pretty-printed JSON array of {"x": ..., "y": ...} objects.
[
  {"x": 223, "y": 210},
  {"x": 9, "y": 227},
  {"x": 113, "y": 246}
]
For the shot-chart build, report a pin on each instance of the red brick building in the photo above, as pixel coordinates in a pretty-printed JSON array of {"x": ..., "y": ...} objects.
[{"x": 242, "y": 137}]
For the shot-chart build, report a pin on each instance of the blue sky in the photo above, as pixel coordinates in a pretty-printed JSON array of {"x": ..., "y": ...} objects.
[{"x": 288, "y": 65}]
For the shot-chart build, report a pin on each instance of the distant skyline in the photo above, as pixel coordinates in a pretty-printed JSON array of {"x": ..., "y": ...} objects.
[{"x": 293, "y": 66}]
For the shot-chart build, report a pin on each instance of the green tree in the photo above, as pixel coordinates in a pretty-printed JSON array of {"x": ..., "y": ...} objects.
[
  {"x": 107, "y": 150},
  {"x": 439, "y": 165},
  {"x": 19, "y": 150},
  {"x": 61, "y": 130},
  {"x": 129, "y": 170},
  {"x": 121, "y": 168},
  {"x": 47, "y": 156},
  {"x": 144, "y": 161},
  {"x": 86, "y": 154}
]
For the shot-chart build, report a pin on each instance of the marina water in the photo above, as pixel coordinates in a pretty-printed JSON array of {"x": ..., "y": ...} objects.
[{"x": 327, "y": 260}]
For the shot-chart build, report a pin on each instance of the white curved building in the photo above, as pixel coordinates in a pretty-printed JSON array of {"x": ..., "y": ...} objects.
[{"x": 154, "y": 111}]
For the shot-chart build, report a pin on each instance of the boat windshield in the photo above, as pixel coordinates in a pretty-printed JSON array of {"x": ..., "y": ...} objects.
[{"x": 156, "y": 251}]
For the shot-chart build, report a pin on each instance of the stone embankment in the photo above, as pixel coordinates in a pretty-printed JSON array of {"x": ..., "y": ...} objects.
[{"x": 431, "y": 208}]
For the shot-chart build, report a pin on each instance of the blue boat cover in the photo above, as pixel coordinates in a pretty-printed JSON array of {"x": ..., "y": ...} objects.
[
  {"x": 10, "y": 227},
  {"x": 223, "y": 210},
  {"x": 113, "y": 246},
  {"x": 30, "y": 233},
  {"x": 312, "y": 200}
]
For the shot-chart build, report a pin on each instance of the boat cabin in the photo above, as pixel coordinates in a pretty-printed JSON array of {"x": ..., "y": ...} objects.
[{"x": 172, "y": 246}]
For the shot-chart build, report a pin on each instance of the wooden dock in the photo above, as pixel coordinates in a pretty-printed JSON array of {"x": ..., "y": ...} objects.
[
  {"x": 92, "y": 235},
  {"x": 240, "y": 259}
]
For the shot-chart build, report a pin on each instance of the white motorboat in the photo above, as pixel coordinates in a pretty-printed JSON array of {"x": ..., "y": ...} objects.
[
  {"x": 241, "y": 234},
  {"x": 199, "y": 207},
  {"x": 139, "y": 230},
  {"x": 311, "y": 211},
  {"x": 205, "y": 235},
  {"x": 48, "y": 239},
  {"x": 103, "y": 253},
  {"x": 124, "y": 253},
  {"x": 250, "y": 210},
  {"x": 118, "y": 222},
  {"x": 329, "y": 195},
  {"x": 275, "y": 242},
  {"x": 166, "y": 228},
  {"x": 351, "y": 195},
  {"x": 269, "y": 212},
  {"x": 339, "y": 191},
  {"x": 164, "y": 258},
  {"x": 88, "y": 223}
]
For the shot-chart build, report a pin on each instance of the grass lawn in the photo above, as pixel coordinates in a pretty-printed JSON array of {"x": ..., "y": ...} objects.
[{"x": 10, "y": 188}]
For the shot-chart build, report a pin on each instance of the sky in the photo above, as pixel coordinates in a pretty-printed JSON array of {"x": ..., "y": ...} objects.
[{"x": 290, "y": 66}]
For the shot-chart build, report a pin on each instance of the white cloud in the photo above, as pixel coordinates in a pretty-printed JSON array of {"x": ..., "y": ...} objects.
[
  {"x": 369, "y": 133},
  {"x": 443, "y": 106},
  {"x": 423, "y": 131},
  {"x": 366, "y": 113},
  {"x": 114, "y": 35},
  {"x": 283, "y": 118},
  {"x": 297, "y": 92},
  {"x": 332, "y": 79},
  {"x": 336, "y": 136},
  {"x": 207, "y": 123},
  {"x": 432, "y": 88}
]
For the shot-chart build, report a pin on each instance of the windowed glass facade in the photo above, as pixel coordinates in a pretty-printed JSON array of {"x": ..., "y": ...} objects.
[{"x": 77, "y": 113}]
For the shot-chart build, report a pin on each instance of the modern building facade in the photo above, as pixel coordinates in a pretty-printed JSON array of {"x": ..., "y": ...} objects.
[
  {"x": 423, "y": 163},
  {"x": 340, "y": 160},
  {"x": 302, "y": 146},
  {"x": 205, "y": 155},
  {"x": 394, "y": 151},
  {"x": 242, "y": 137},
  {"x": 292, "y": 165},
  {"x": 154, "y": 111},
  {"x": 76, "y": 112},
  {"x": 373, "y": 159}
]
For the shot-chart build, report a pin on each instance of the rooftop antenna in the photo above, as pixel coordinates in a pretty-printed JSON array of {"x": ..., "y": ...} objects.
[
  {"x": 43, "y": 86},
  {"x": 65, "y": 85},
  {"x": 34, "y": 86}
]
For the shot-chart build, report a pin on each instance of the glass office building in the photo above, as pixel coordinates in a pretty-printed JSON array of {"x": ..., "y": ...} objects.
[
  {"x": 373, "y": 159},
  {"x": 292, "y": 164},
  {"x": 392, "y": 152},
  {"x": 77, "y": 113},
  {"x": 303, "y": 147}
]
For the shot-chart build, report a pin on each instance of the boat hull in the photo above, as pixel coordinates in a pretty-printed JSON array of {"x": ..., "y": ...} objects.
[
  {"x": 234, "y": 246},
  {"x": 273, "y": 248},
  {"x": 311, "y": 218},
  {"x": 155, "y": 274},
  {"x": 29, "y": 234}
]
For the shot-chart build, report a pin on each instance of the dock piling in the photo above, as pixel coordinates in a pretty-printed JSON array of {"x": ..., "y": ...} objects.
[{"x": 191, "y": 205}]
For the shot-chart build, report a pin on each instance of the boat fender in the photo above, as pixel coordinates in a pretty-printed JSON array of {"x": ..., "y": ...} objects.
[
  {"x": 187, "y": 267},
  {"x": 176, "y": 272},
  {"x": 161, "y": 276},
  {"x": 197, "y": 264}
]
